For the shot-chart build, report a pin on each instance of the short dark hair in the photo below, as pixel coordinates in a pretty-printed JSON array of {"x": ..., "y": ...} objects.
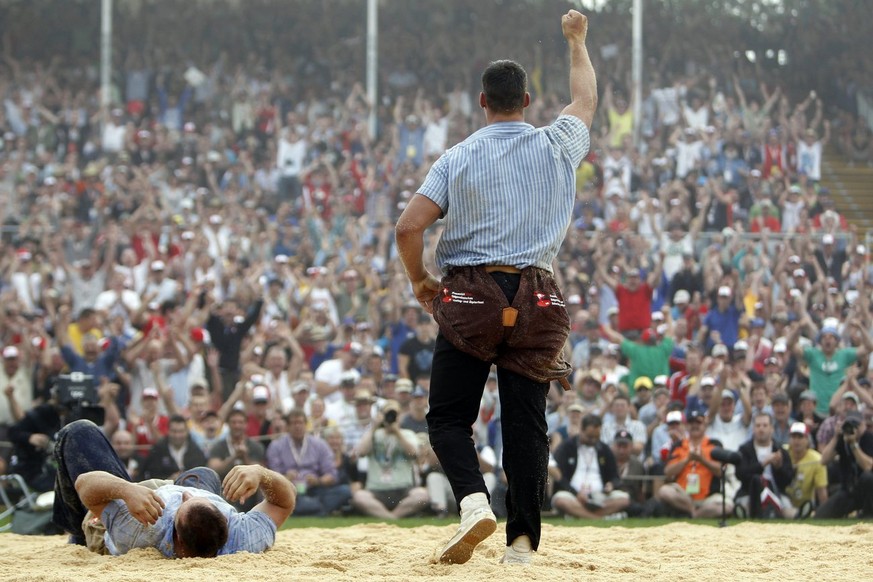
[
  {"x": 202, "y": 531},
  {"x": 237, "y": 412},
  {"x": 178, "y": 418},
  {"x": 591, "y": 420},
  {"x": 504, "y": 84}
]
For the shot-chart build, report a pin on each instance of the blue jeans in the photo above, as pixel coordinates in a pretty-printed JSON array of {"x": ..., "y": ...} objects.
[
  {"x": 82, "y": 448},
  {"x": 322, "y": 501}
]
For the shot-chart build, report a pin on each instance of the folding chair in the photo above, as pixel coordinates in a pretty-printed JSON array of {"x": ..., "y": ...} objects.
[{"x": 27, "y": 501}]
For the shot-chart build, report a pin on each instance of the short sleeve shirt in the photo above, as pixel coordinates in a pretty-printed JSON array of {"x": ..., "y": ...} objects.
[
  {"x": 253, "y": 531},
  {"x": 825, "y": 374},
  {"x": 507, "y": 193}
]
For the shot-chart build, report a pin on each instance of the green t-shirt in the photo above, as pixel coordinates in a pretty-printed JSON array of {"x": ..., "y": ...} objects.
[
  {"x": 388, "y": 466},
  {"x": 825, "y": 374},
  {"x": 646, "y": 360}
]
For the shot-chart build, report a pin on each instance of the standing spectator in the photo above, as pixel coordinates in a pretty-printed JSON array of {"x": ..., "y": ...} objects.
[
  {"x": 722, "y": 324},
  {"x": 831, "y": 259},
  {"x": 16, "y": 382},
  {"x": 290, "y": 161},
  {"x": 828, "y": 362},
  {"x": 634, "y": 299},
  {"x": 227, "y": 327},
  {"x": 415, "y": 357}
]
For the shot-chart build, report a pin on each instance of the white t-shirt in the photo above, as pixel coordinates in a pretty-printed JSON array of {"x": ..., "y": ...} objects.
[
  {"x": 587, "y": 472},
  {"x": 731, "y": 434},
  {"x": 809, "y": 159}
]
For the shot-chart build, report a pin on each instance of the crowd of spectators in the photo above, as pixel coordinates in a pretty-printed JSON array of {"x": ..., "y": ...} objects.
[{"x": 215, "y": 251}]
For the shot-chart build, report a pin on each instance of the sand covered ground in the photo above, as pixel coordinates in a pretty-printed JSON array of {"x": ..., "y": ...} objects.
[{"x": 681, "y": 551}]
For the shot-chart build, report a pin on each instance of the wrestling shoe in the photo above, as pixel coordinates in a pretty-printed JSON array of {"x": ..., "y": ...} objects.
[
  {"x": 519, "y": 553},
  {"x": 477, "y": 523}
]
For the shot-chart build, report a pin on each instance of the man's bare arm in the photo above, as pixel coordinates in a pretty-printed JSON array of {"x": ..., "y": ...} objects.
[
  {"x": 97, "y": 488},
  {"x": 583, "y": 82},
  {"x": 409, "y": 232},
  {"x": 280, "y": 496}
]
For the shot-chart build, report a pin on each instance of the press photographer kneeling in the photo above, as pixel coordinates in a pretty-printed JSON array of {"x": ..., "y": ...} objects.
[
  {"x": 74, "y": 397},
  {"x": 852, "y": 446}
]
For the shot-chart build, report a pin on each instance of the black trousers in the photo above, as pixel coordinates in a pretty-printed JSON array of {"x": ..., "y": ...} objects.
[
  {"x": 843, "y": 502},
  {"x": 457, "y": 383}
]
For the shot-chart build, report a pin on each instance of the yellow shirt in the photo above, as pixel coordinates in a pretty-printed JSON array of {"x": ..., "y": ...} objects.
[
  {"x": 809, "y": 475},
  {"x": 620, "y": 125},
  {"x": 76, "y": 335}
]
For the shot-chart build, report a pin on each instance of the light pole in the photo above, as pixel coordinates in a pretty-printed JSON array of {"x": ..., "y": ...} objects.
[
  {"x": 106, "y": 53},
  {"x": 372, "y": 63}
]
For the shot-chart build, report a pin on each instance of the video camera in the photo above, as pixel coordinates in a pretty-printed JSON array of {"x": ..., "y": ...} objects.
[{"x": 77, "y": 394}]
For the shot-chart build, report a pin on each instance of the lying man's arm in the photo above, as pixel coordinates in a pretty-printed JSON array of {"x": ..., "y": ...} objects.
[
  {"x": 97, "y": 488},
  {"x": 280, "y": 496}
]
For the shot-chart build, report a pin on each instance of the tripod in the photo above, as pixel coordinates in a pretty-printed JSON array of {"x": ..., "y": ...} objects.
[{"x": 722, "y": 522}]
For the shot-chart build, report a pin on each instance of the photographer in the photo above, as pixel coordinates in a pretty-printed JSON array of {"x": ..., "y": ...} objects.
[
  {"x": 33, "y": 435},
  {"x": 390, "y": 491},
  {"x": 852, "y": 446}
]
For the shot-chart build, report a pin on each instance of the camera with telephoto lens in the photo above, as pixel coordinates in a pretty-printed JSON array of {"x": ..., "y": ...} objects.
[
  {"x": 77, "y": 394},
  {"x": 850, "y": 426},
  {"x": 390, "y": 417}
]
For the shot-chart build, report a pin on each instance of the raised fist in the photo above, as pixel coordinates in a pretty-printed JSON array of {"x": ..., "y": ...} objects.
[{"x": 574, "y": 25}]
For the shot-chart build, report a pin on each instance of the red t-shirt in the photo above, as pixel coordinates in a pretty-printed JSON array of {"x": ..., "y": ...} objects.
[
  {"x": 143, "y": 435},
  {"x": 634, "y": 307}
]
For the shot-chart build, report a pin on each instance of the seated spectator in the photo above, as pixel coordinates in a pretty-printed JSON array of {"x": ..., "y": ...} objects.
[
  {"x": 694, "y": 483},
  {"x": 124, "y": 446},
  {"x": 631, "y": 471},
  {"x": 173, "y": 454},
  {"x": 390, "y": 490},
  {"x": 331, "y": 373},
  {"x": 587, "y": 482},
  {"x": 809, "y": 488},
  {"x": 830, "y": 427},
  {"x": 346, "y": 467},
  {"x": 353, "y": 429},
  {"x": 308, "y": 462},
  {"x": 415, "y": 420},
  {"x": 765, "y": 474},
  {"x": 781, "y": 405},
  {"x": 236, "y": 448},
  {"x": 619, "y": 419},
  {"x": 806, "y": 414},
  {"x": 724, "y": 424}
]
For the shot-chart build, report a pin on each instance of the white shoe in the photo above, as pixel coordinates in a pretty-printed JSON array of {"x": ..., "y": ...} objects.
[
  {"x": 519, "y": 553},
  {"x": 477, "y": 523}
]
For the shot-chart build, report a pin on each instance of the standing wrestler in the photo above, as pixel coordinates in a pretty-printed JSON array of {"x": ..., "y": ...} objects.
[{"x": 506, "y": 194}]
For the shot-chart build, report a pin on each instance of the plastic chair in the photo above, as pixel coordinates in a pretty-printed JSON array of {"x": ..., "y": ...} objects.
[{"x": 27, "y": 501}]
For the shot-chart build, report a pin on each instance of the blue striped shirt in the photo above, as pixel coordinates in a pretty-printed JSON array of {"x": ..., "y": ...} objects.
[
  {"x": 253, "y": 532},
  {"x": 507, "y": 192}
]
